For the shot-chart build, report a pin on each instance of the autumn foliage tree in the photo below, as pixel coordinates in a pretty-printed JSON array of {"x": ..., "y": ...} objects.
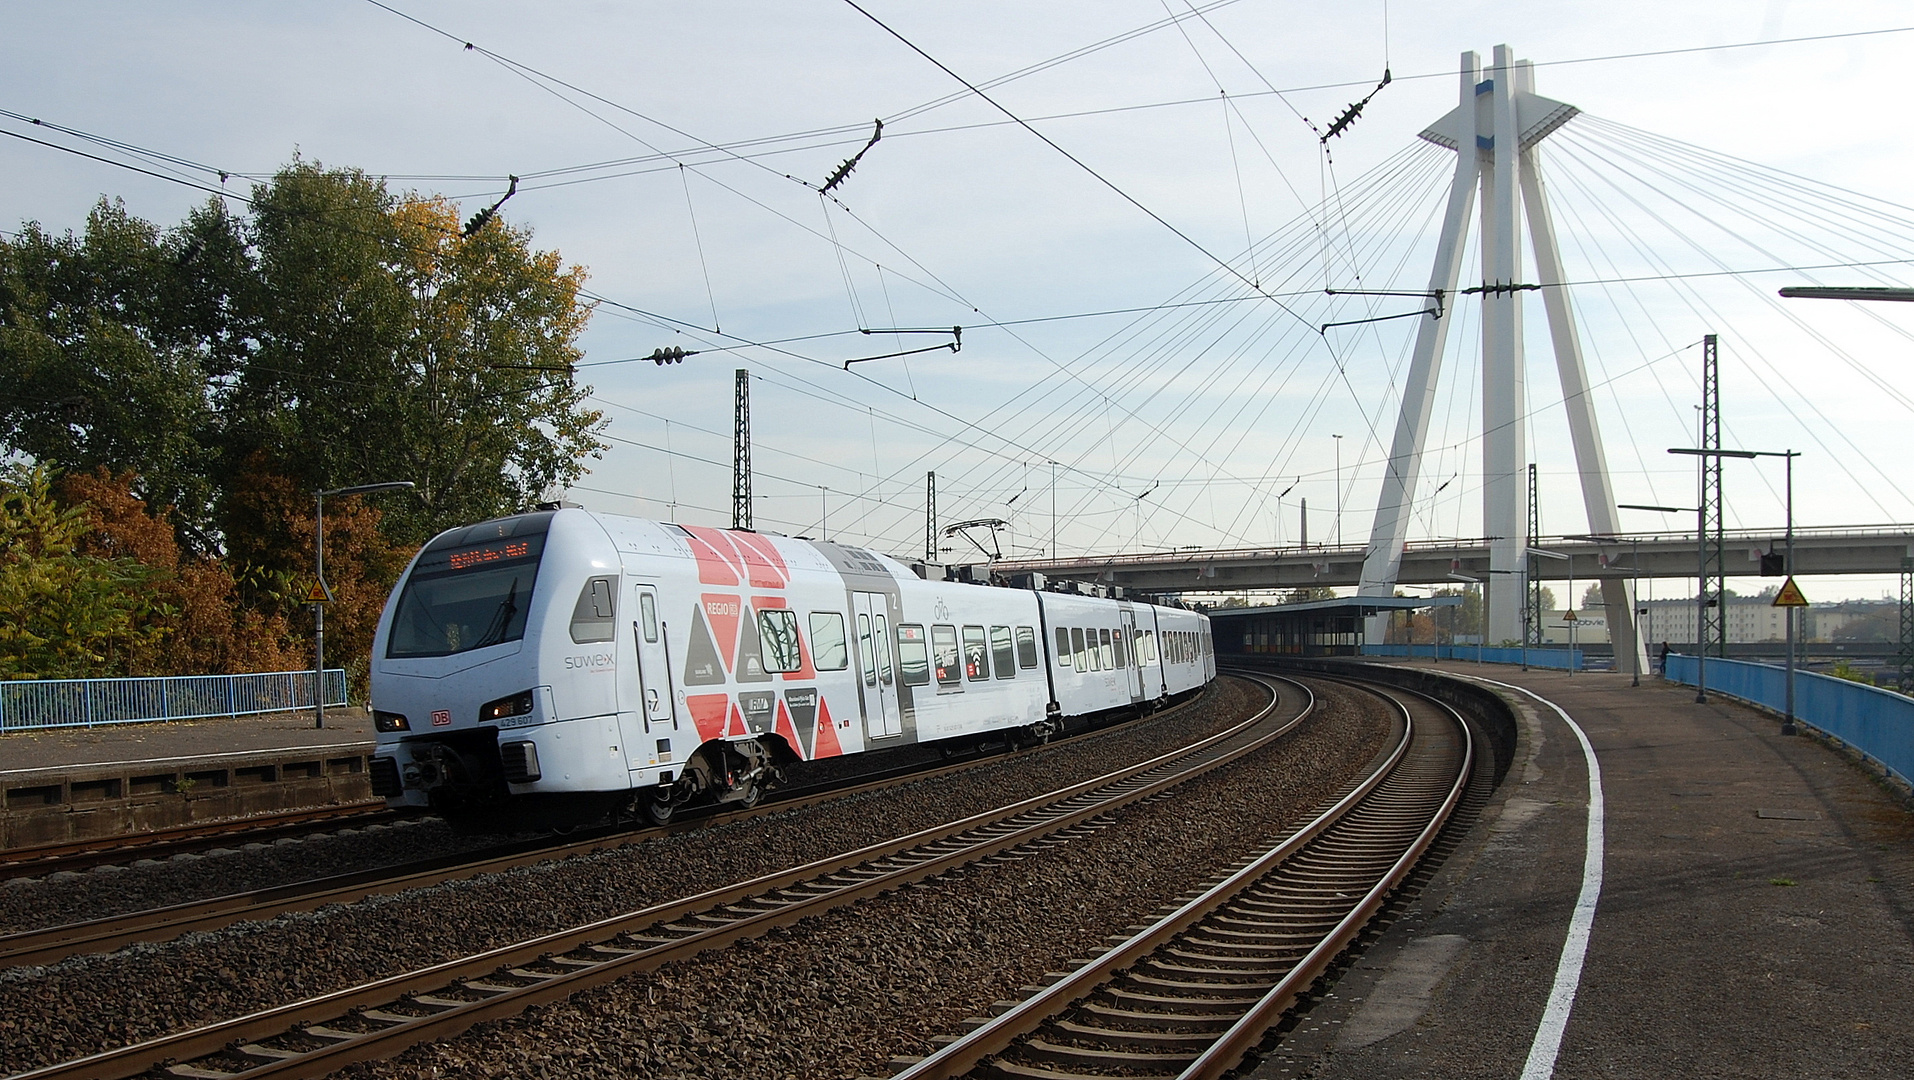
[{"x": 197, "y": 383}]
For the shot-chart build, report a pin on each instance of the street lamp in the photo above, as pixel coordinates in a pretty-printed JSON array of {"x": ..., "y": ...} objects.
[
  {"x": 1571, "y": 598},
  {"x": 322, "y": 595},
  {"x": 1635, "y": 556},
  {"x": 1668, "y": 510},
  {"x": 1788, "y": 456},
  {"x": 1787, "y": 722},
  {"x": 1701, "y": 564},
  {"x": 1480, "y": 630},
  {"x": 1338, "y": 439}
]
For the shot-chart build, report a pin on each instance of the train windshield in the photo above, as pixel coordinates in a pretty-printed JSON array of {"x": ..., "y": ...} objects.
[{"x": 470, "y": 589}]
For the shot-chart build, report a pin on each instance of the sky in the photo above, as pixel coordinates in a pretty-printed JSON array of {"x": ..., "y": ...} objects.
[{"x": 1167, "y": 155}]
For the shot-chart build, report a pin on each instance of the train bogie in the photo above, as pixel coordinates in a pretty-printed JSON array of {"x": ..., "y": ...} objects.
[{"x": 570, "y": 664}]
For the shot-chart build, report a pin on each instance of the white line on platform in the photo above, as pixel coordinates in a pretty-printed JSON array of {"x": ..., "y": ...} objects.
[{"x": 1568, "y": 971}]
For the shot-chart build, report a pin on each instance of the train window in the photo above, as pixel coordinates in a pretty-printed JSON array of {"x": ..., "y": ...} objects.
[
  {"x": 865, "y": 658},
  {"x": 943, "y": 653},
  {"x": 470, "y": 594},
  {"x": 1026, "y": 647},
  {"x": 648, "y": 611},
  {"x": 1063, "y": 646},
  {"x": 1122, "y": 654},
  {"x": 1136, "y": 646},
  {"x": 778, "y": 629},
  {"x": 882, "y": 633},
  {"x": 1077, "y": 658},
  {"x": 1149, "y": 647},
  {"x": 1003, "y": 653},
  {"x": 913, "y": 655},
  {"x": 1095, "y": 656},
  {"x": 827, "y": 641},
  {"x": 1103, "y": 650},
  {"x": 592, "y": 616},
  {"x": 976, "y": 654}
]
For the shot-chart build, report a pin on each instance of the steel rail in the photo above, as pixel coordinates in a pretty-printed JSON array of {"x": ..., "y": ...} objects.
[
  {"x": 43, "y": 859},
  {"x": 1194, "y": 992},
  {"x": 53, "y": 943},
  {"x": 318, "y": 1035}
]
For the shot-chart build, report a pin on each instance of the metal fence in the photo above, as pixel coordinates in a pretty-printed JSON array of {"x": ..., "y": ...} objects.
[
  {"x": 1555, "y": 659},
  {"x": 59, "y": 703},
  {"x": 1878, "y": 724}
]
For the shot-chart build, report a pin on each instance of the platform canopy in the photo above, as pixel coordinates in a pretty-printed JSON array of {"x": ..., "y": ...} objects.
[{"x": 1313, "y": 628}]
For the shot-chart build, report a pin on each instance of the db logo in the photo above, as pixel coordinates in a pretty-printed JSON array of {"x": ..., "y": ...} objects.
[{"x": 441, "y": 718}]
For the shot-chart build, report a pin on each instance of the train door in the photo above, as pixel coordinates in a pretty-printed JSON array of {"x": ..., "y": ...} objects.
[
  {"x": 645, "y": 706},
  {"x": 882, "y": 716},
  {"x": 1132, "y": 669}
]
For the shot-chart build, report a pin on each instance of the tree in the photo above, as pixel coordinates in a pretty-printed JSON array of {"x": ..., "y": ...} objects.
[
  {"x": 113, "y": 347},
  {"x": 1306, "y": 594},
  {"x": 222, "y": 370},
  {"x": 274, "y": 551},
  {"x": 348, "y": 334},
  {"x": 392, "y": 346},
  {"x": 197, "y": 603},
  {"x": 65, "y": 614}
]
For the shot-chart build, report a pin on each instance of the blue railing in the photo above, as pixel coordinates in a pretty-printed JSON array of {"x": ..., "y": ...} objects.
[
  {"x": 60, "y": 703},
  {"x": 1557, "y": 659},
  {"x": 1877, "y": 723}
]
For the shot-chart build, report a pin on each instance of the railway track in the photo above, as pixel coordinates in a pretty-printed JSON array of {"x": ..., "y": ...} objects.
[
  {"x": 375, "y": 1020},
  {"x": 51, "y": 944},
  {"x": 43, "y": 859},
  {"x": 1190, "y": 995}
]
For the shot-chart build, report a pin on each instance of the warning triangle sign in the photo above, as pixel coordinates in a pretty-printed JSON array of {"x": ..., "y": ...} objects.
[
  {"x": 317, "y": 594},
  {"x": 1790, "y": 595}
]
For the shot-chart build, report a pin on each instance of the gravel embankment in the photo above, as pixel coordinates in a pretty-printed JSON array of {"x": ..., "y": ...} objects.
[
  {"x": 148, "y": 990},
  {"x": 839, "y": 995},
  {"x": 32, "y": 903}
]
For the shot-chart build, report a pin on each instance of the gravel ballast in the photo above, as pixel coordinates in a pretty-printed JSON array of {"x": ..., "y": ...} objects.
[
  {"x": 144, "y": 991},
  {"x": 839, "y": 995}
]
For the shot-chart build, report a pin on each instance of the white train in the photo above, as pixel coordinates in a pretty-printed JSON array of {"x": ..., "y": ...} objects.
[{"x": 563, "y": 665}]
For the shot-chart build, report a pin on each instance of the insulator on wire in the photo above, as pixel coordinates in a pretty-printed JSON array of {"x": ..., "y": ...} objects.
[{"x": 672, "y": 355}]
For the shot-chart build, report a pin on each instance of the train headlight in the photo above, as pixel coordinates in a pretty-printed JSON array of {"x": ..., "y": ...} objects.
[
  {"x": 390, "y": 721},
  {"x": 517, "y": 705}
]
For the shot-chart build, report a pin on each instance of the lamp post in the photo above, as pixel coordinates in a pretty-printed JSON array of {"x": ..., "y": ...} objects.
[
  {"x": 1338, "y": 439},
  {"x": 1635, "y": 554},
  {"x": 1701, "y": 562},
  {"x": 1704, "y": 561},
  {"x": 1479, "y": 629},
  {"x": 1787, "y": 722},
  {"x": 1571, "y": 593},
  {"x": 325, "y": 593}
]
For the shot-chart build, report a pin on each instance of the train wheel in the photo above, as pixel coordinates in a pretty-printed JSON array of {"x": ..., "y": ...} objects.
[
  {"x": 659, "y": 811},
  {"x": 752, "y": 795}
]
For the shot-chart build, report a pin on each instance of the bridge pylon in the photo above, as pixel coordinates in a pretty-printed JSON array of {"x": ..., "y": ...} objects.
[{"x": 1495, "y": 130}]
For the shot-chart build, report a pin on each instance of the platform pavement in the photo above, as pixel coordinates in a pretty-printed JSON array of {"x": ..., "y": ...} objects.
[
  {"x": 32, "y": 752},
  {"x": 1755, "y": 917}
]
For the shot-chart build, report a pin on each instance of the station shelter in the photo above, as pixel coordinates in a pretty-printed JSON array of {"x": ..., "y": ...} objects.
[{"x": 1314, "y": 628}]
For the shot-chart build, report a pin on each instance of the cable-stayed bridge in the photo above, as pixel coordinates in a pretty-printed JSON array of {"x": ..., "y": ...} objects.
[{"x": 1498, "y": 209}]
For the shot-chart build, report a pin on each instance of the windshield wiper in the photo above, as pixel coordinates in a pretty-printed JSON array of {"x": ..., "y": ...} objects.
[{"x": 495, "y": 632}]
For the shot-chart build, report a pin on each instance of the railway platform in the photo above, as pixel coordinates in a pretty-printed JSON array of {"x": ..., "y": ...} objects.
[
  {"x": 1752, "y": 911},
  {"x": 68, "y": 784}
]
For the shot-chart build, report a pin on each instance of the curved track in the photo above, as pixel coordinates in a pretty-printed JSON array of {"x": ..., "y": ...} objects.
[
  {"x": 1189, "y": 996},
  {"x": 315, "y": 1036}
]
